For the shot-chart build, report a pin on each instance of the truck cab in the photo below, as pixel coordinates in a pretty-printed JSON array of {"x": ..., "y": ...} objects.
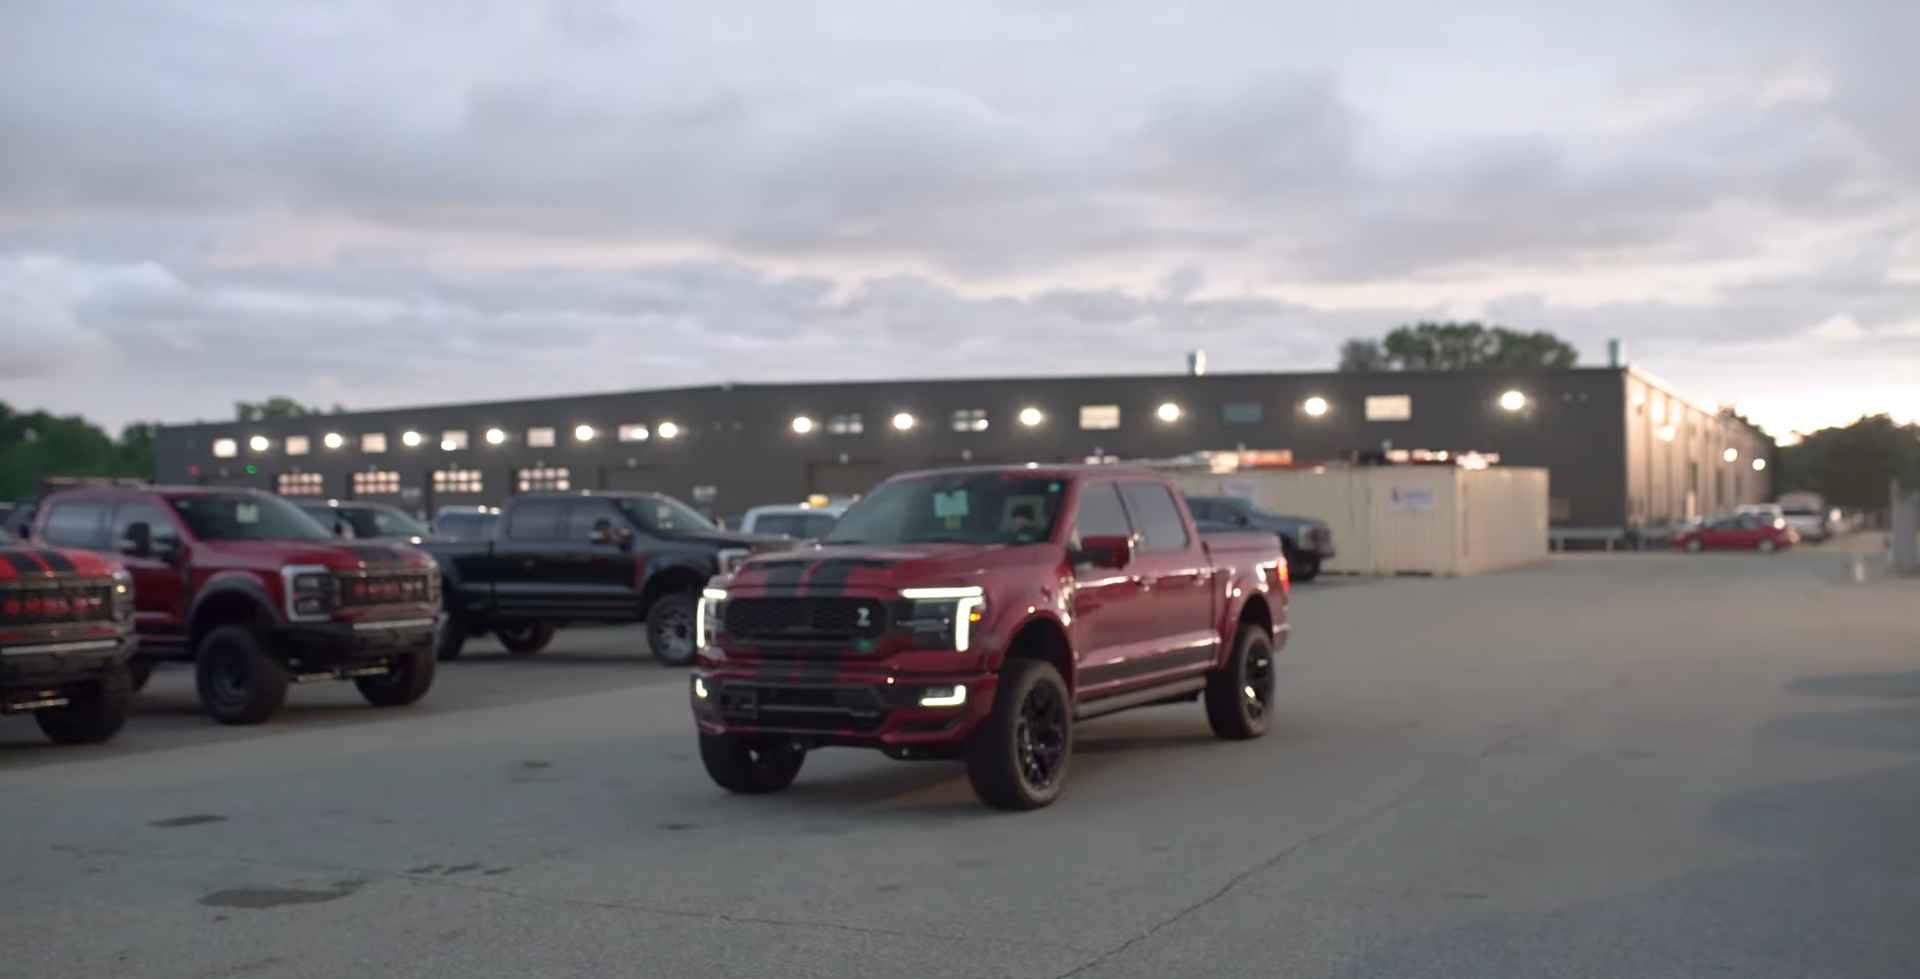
[
  {"x": 256, "y": 594},
  {"x": 979, "y": 614}
]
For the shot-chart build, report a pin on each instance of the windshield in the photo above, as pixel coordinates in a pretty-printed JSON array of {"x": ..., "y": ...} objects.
[
  {"x": 243, "y": 516},
  {"x": 974, "y": 508},
  {"x": 368, "y": 521},
  {"x": 664, "y": 515},
  {"x": 803, "y": 525}
]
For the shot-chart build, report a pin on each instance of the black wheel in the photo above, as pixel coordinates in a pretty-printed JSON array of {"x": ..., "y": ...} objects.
[
  {"x": 1303, "y": 568},
  {"x": 449, "y": 635},
  {"x": 1240, "y": 694},
  {"x": 239, "y": 683},
  {"x": 1019, "y": 755},
  {"x": 524, "y": 638},
  {"x": 411, "y": 675},
  {"x": 749, "y": 765},
  {"x": 93, "y": 715},
  {"x": 670, "y": 628},
  {"x": 139, "y": 671}
]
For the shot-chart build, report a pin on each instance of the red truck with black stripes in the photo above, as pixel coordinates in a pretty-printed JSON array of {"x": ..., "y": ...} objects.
[
  {"x": 980, "y": 614},
  {"x": 256, "y": 594},
  {"x": 64, "y": 619}
]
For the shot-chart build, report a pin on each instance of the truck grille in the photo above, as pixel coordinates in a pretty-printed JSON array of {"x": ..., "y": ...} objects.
[
  {"x": 804, "y": 619},
  {"x": 75, "y": 602},
  {"x": 387, "y": 589}
]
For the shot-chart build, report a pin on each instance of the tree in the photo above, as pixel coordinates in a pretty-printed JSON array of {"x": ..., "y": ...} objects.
[
  {"x": 36, "y": 445},
  {"x": 275, "y": 407},
  {"x": 1851, "y": 466},
  {"x": 1455, "y": 347}
]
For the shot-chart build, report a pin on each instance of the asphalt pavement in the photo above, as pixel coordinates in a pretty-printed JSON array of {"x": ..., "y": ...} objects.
[{"x": 1637, "y": 765}]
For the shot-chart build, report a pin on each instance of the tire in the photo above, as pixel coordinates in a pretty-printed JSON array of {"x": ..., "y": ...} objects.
[
  {"x": 1239, "y": 695},
  {"x": 670, "y": 628},
  {"x": 1695, "y": 546},
  {"x": 94, "y": 716},
  {"x": 524, "y": 639},
  {"x": 1766, "y": 546},
  {"x": 139, "y": 671},
  {"x": 1307, "y": 568},
  {"x": 750, "y": 766},
  {"x": 411, "y": 677},
  {"x": 449, "y": 635},
  {"x": 238, "y": 682},
  {"x": 1021, "y": 753}
]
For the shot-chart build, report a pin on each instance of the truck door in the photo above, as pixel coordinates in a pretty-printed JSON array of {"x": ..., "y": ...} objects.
[
  {"x": 535, "y": 573},
  {"x": 608, "y": 577},
  {"x": 1176, "y": 579},
  {"x": 1106, "y": 600},
  {"x": 159, "y": 583}
]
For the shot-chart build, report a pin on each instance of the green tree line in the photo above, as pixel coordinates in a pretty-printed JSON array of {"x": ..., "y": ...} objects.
[{"x": 35, "y": 445}]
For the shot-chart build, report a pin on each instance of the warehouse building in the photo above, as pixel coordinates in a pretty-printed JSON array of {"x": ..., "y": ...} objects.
[{"x": 1622, "y": 448}]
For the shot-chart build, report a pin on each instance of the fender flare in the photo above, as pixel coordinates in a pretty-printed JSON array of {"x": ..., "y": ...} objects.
[{"x": 225, "y": 585}]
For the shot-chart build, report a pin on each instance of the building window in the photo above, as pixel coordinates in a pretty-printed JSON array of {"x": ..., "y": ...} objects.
[
  {"x": 1243, "y": 413},
  {"x": 375, "y": 442},
  {"x": 634, "y": 433},
  {"x": 970, "y": 420},
  {"x": 302, "y": 484},
  {"x": 457, "y": 481},
  {"x": 376, "y": 483},
  {"x": 225, "y": 448},
  {"x": 1390, "y": 408},
  {"x": 298, "y": 445},
  {"x": 453, "y": 440},
  {"x": 1099, "y": 418},
  {"x": 848, "y": 424},
  {"x": 545, "y": 478},
  {"x": 540, "y": 438}
]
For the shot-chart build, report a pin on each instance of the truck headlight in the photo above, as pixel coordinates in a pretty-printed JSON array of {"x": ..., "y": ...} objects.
[
  {"x": 951, "y": 612},
  {"x": 122, "y": 597},
  {"x": 309, "y": 591},
  {"x": 707, "y": 615}
]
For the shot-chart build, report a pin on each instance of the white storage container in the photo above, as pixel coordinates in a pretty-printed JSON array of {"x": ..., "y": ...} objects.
[{"x": 1440, "y": 520}]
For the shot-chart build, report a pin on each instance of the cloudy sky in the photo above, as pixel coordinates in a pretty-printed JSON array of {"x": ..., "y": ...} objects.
[{"x": 394, "y": 203}]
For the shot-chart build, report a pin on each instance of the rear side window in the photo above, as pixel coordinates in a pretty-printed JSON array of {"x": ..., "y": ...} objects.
[
  {"x": 77, "y": 524},
  {"x": 128, "y": 514},
  {"x": 1156, "y": 515},
  {"x": 537, "y": 521},
  {"x": 1099, "y": 513}
]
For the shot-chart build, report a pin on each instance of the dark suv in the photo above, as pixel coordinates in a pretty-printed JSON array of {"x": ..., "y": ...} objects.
[{"x": 257, "y": 595}]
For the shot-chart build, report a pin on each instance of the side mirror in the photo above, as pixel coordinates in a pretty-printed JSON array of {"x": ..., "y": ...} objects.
[
  {"x": 171, "y": 550},
  {"x": 1105, "y": 552},
  {"x": 343, "y": 529},
  {"x": 139, "y": 540}
]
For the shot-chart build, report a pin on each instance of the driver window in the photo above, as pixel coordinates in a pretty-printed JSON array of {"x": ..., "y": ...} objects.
[
  {"x": 583, "y": 518},
  {"x": 128, "y": 514}
]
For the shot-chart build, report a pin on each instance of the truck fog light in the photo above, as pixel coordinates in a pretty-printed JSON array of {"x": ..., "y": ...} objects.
[
  {"x": 953, "y": 696},
  {"x": 700, "y": 687}
]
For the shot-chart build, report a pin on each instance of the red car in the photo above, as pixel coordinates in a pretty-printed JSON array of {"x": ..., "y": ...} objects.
[
  {"x": 64, "y": 617},
  {"x": 1739, "y": 532},
  {"x": 981, "y": 614}
]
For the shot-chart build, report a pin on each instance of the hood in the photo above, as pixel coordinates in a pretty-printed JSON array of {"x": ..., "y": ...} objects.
[
  {"x": 335, "y": 557},
  {"x": 23, "y": 561},
  {"x": 828, "y": 570}
]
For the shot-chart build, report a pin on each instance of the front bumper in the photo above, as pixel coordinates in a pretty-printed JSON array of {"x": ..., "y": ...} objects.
[
  {"x": 870, "y": 707},
  {"x": 315, "y": 646},
  {"x": 35, "y": 673}
]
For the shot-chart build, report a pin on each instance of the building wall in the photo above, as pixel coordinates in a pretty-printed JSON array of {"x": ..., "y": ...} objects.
[
  {"x": 1676, "y": 456},
  {"x": 738, "y": 441}
]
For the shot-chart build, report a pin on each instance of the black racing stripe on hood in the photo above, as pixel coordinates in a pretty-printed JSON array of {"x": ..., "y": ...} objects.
[
  {"x": 829, "y": 578},
  {"x": 373, "y": 554},
  {"x": 55, "y": 561},
  {"x": 22, "y": 561},
  {"x": 784, "y": 574}
]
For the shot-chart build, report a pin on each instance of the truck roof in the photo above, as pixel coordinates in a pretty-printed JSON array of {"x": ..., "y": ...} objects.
[{"x": 1044, "y": 470}]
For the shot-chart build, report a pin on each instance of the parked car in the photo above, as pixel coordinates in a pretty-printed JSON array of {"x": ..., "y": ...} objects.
[
  {"x": 360, "y": 520},
  {"x": 1812, "y": 523},
  {"x": 256, "y": 594},
  {"x": 560, "y": 559},
  {"x": 980, "y": 614},
  {"x": 64, "y": 621},
  {"x": 465, "y": 522},
  {"x": 1737, "y": 531},
  {"x": 798, "y": 521},
  {"x": 1307, "y": 541}
]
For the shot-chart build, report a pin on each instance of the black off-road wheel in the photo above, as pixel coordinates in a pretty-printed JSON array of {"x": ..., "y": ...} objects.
[
  {"x": 410, "y": 677},
  {"x": 1240, "y": 694},
  {"x": 1020, "y": 753},
  {"x": 239, "y": 682},
  {"x": 670, "y": 628},
  {"x": 449, "y": 635},
  {"x": 93, "y": 715},
  {"x": 751, "y": 766},
  {"x": 139, "y": 671},
  {"x": 1303, "y": 568},
  {"x": 524, "y": 638}
]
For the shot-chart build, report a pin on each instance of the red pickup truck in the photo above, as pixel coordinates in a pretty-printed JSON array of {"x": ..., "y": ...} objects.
[
  {"x": 979, "y": 614},
  {"x": 63, "y": 631},
  {"x": 257, "y": 594}
]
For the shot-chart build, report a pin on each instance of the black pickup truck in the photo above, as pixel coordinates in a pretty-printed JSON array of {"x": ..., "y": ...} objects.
[{"x": 559, "y": 559}]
